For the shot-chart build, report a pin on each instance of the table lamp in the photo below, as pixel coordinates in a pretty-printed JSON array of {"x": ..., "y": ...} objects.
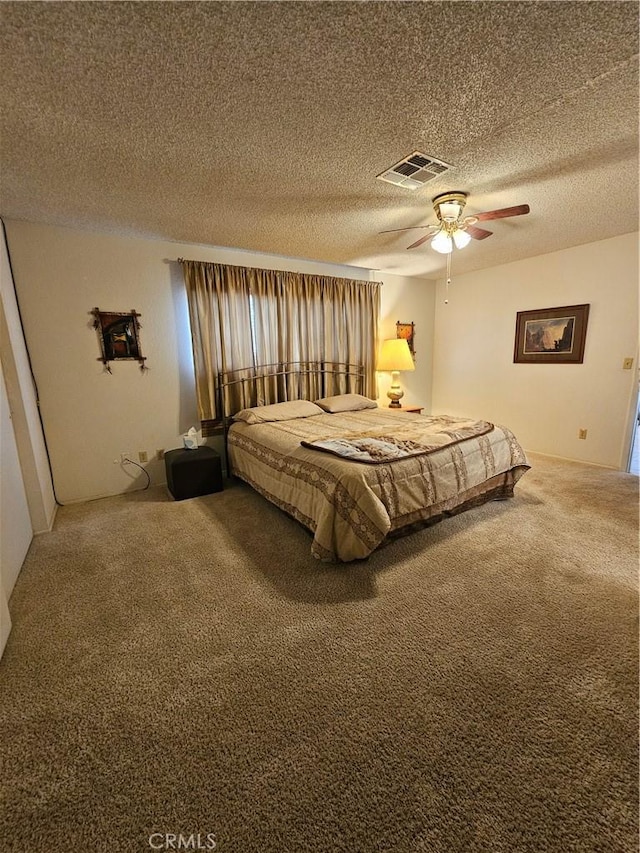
[{"x": 395, "y": 356}]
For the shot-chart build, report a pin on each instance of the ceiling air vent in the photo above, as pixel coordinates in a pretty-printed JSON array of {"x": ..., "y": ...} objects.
[{"x": 414, "y": 171}]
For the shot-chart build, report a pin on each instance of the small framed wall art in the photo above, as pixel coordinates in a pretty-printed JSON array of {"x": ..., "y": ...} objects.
[
  {"x": 551, "y": 335},
  {"x": 407, "y": 332},
  {"x": 118, "y": 332}
]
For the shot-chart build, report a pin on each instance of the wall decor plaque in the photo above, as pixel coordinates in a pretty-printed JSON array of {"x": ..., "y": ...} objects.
[
  {"x": 118, "y": 332},
  {"x": 407, "y": 332}
]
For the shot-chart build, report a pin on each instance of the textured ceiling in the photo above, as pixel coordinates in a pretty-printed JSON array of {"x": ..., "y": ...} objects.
[{"x": 263, "y": 125}]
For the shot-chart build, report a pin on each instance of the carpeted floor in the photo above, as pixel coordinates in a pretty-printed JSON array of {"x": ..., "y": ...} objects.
[{"x": 185, "y": 668}]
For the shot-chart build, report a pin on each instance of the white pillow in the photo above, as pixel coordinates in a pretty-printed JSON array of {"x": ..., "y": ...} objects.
[
  {"x": 346, "y": 403},
  {"x": 278, "y": 412}
]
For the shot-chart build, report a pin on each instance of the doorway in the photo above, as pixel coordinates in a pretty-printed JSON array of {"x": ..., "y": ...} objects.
[{"x": 634, "y": 455}]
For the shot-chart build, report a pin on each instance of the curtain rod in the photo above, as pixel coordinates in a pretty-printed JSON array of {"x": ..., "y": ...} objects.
[{"x": 371, "y": 281}]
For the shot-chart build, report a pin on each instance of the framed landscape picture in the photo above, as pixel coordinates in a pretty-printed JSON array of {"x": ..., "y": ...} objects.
[{"x": 551, "y": 335}]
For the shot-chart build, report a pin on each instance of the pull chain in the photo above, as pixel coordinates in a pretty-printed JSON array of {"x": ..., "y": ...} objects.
[{"x": 446, "y": 301}]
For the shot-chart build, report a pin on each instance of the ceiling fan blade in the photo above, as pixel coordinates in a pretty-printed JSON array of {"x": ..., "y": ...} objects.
[
  {"x": 420, "y": 241},
  {"x": 503, "y": 213},
  {"x": 478, "y": 233},
  {"x": 411, "y": 228}
]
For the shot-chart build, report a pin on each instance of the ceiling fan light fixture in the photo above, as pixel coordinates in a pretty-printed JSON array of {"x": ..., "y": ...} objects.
[
  {"x": 461, "y": 238},
  {"x": 455, "y": 230},
  {"x": 442, "y": 243},
  {"x": 450, "y": 211},
  {"x": 448, "y": 207}
]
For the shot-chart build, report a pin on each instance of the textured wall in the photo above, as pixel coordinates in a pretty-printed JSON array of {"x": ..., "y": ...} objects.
[
  {"x": 545, "y": 404},
  {"x": 409, "y": 300},
  {"x": 91, "y": 417}
]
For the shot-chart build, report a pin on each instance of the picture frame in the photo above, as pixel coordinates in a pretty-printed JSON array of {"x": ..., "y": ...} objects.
[
  {"x": 406, "y": 331},
  {"x": 119, "y": 336},
  {"x": 551, "y": 335}
]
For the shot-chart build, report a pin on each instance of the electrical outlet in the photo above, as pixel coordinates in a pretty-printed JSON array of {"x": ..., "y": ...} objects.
[
  {"x": 142, "y": 456},
  {"x": 160, "y": 453},
  {"x": 582, "y": 433},
  {"x": 125, "y": 458},
  {"x": 627, "y": 364}
]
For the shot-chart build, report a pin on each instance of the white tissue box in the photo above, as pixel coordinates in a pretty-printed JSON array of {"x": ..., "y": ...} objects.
[{"x": 190, "y": 439}]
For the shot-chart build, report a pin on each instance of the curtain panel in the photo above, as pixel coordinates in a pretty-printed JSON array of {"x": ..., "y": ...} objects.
[{"x": 245, "y": 317}]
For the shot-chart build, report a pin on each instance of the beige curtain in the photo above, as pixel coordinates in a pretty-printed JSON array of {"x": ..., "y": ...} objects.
[
  {"x": 242, "y": 317},
  {"x": 219, "y": 313}
]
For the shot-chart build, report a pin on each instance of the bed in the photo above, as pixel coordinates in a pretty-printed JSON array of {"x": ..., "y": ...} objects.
[{"x": 400, "y": 471}]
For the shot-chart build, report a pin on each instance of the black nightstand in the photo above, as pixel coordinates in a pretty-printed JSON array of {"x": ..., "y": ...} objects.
[{"x": 191, "y": 473}]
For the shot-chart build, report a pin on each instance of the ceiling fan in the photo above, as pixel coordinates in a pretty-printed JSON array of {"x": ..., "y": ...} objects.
[{"x": 454, "y": 229}]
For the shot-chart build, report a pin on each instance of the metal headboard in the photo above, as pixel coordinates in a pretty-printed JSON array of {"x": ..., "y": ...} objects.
[{"x": 331, "y": 377}]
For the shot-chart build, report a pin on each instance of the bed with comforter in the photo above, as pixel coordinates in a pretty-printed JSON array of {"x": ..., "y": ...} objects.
[{"x": 358, "y": 476}]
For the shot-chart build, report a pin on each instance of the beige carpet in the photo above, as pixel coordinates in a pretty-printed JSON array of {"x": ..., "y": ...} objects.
[{"x": 188, "y": 668}]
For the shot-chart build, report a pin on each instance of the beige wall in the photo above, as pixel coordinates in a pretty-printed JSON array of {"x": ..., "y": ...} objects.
[
  {"x": 545, "y": 405},
  {"x": 91, "y": 417},
  {"x": 409, "y": 300}
]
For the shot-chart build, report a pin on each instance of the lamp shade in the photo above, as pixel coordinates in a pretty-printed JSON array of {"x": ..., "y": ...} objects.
[
  {"x": 461, "y": 239},
  {"x": 395, "y": 355},
  {"x": 442, "y": 243},
  {"x": 450, "y": 210}
]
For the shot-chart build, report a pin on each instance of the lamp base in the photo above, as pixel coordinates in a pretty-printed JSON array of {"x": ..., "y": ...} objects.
[{"x": 395, "y": 393}]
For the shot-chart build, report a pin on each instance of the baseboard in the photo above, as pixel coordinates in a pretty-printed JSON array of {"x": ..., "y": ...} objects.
[
  {"x": 575, "y": 461},
  {"x": 72, "y": 501}
]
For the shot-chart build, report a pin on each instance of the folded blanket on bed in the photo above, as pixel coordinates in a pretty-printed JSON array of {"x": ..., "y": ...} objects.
[{"x": 410, "y": 439}]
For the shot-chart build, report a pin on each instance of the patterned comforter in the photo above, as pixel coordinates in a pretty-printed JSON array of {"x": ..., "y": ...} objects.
[
  {"x": 352, "y": 507},
  {"x": 409, "y": 438}
]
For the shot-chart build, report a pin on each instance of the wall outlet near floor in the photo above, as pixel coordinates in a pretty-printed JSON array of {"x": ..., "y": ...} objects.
[
  {"x": 627, "y": 364},
  {"x": 125, "y": 458},
  {"x": 160, "y": 454},
  {"x": 582, "y": 433},
  {"x": 143, "y": 456}
]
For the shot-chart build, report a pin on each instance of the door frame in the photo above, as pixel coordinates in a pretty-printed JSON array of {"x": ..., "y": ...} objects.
[{"x": 632, "y": 433}]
